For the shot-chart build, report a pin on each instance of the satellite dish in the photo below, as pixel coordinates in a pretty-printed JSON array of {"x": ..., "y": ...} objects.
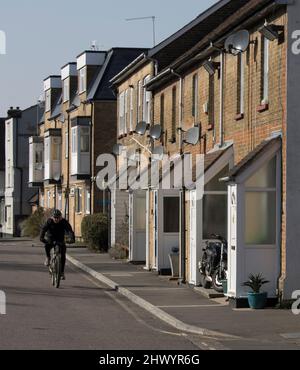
[
  {"x": 117, "y": 149},
  {"x": 141, "y": 128},
  {"x": 39, "y": 166},
  {"x": 238, "y": 42},
  {"x": 156, "y": 132},
  {"x": 241, "y": 41},
  {"x": 229, "y": 44},
  {"x": 192, "y": 136},
  {"x": 158, "y": 152}
]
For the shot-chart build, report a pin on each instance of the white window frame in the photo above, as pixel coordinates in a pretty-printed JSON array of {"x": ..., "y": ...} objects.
[
  {"x": 195, "y": 84},
  {"x": 122, "y": 113},
  {"x": 126, "y": 111},
  {"x": 131, "y": 110},
  {"x": 87, "y": 201},
  {"x": 66, "y": 90},
  {"x": 78, "y": 200},
  {"x": 42, "y": 203},
  {"x": 146, "y": 101},
  {"x": 242, "y": 83},
  {"x": 266, "y": 64},
  {"x": 48, "y": 100},
  {"x": 82, "y": 80},
  {"x": 48, "y": 198},
  {"x": 84, "y": 132},
  {"x": 59, "y": 201},
  {"x": 8, "y": 131},
  {"x": 66, "y": 144},
  {"x": 8, "y": 173},
  {"x": 139, "y": 100},
  {"x": 74, "y": 141}
]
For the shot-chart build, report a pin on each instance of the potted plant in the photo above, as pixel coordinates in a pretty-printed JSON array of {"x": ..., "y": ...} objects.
[{"x": 256, "y": 298}]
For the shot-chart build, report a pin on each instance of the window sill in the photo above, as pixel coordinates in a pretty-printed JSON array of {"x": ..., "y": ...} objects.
[
  {"x": 239, "y": 116},
  {"x": 210, "y": 126},
  {"x": 262, "y": 108}
]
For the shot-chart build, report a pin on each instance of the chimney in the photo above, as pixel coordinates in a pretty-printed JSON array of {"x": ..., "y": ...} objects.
[{"x": 14, "y": 113}]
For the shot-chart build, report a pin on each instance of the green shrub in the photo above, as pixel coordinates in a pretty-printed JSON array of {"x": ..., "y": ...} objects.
[
  {"x": 94, "y": 230},
  {"x": 31, "y": 227}
]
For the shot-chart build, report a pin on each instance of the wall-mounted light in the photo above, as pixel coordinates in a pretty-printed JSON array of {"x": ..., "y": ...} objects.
[{"x": 271, "y": 31}]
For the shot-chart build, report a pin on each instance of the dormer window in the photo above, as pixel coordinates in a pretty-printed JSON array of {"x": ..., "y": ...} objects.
[
  {"x": 66, "y": 90},
  {"x": 48, "y": 100},
  {"x": 82, "y": 80}
]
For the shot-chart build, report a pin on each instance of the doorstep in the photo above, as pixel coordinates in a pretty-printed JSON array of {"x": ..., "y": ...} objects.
[{"x": 208, "y": 293}]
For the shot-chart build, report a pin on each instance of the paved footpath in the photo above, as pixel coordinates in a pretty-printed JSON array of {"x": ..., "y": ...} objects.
[{"x": 187, "y": 310}]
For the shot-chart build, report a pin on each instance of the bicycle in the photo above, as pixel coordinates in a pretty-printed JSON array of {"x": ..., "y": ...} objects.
[{"x": 55, "y": 265}]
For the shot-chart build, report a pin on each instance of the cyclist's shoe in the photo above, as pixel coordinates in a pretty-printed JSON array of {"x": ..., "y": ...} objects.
[
  {"x": 47, "y": 262},
  {"x": 62, "y": 276}
]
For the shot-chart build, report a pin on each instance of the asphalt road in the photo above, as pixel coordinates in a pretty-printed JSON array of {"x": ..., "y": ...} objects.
[{"x": 82, "y": 314}]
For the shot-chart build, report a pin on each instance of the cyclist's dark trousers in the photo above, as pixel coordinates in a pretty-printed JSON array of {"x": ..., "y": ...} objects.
[{"x": 63, "y": 249}]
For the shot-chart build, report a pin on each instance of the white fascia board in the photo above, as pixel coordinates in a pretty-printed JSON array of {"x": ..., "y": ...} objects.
[
  {"x": 91, "y": 59},
  {"x": 52, "y": 82},
  {"x": 68, "y": 70}
]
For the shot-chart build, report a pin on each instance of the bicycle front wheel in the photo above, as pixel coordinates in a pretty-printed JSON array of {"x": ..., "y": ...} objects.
[{"x": 57, "y": 273}]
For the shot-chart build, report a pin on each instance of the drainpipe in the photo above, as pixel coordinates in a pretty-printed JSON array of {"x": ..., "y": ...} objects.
[
  {"x": 92, "y": 159},
  {"x": 182, "y": 248},
  {"x": 222, "y": 57},
  {"x": 182, "y": 270},
  {"x": 67, "y": 194}
]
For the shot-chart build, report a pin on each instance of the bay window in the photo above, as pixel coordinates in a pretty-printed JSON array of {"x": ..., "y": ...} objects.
[
  {"x": 260, "y": 206},
  {"x": 215, "y": 206},
  {"x": 36, "y": 162},
  {"x": 80, "y": 147},
  {"x": 52, "y": 155}
]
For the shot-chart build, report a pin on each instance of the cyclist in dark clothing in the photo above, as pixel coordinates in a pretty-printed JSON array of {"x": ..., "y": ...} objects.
[{"x": 56, "y": 228}]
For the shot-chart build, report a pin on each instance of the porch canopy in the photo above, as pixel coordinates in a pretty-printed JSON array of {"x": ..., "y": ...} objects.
[{"x": 254, "y": 218}]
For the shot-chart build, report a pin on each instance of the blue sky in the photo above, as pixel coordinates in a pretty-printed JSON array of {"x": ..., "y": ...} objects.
[{"x": 43, "y": 35}]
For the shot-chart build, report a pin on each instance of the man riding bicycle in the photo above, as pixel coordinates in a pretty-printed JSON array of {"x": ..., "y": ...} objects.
[{"x": 56, "y": 227}]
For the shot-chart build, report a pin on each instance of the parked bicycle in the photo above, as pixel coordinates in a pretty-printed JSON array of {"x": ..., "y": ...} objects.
[{"x": 213, "y": 264}]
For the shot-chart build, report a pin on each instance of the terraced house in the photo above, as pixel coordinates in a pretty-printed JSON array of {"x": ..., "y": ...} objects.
[
  {"x": 232, "y": 87},
  {"x": 78, "y": 125}
]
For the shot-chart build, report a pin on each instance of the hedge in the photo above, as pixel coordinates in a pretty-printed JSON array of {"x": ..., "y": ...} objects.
[{"x": 94, "y": 231}]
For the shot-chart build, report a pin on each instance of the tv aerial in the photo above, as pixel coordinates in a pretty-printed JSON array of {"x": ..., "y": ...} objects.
[
  {"x": 153, "y": 22},
  {"x": 238, "y": 42}
]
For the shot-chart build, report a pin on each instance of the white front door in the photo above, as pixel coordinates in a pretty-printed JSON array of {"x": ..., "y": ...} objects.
[
  {"x": 155, "y": 228},
  {"x": 193, "y": 239},
  {"x": 137, "y": 226}
]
